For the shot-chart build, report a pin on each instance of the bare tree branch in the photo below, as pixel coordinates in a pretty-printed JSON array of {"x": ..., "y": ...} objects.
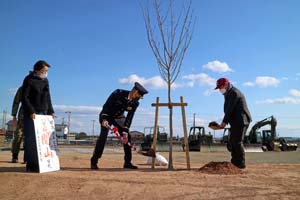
[{"x": 174, "y": 33}]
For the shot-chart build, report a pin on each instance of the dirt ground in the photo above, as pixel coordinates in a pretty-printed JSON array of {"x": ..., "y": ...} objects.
[{"x": 269, "y": 175}]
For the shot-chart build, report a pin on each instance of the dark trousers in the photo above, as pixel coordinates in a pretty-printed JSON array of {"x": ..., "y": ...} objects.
[
  {"x": 237, "y": 134},
  {"x": 30, "y": 148},
  {"x": 98, "y": 151}
]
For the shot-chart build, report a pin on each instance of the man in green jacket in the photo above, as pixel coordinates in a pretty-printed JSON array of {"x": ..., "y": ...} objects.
[{"x": 17, "y": 113}]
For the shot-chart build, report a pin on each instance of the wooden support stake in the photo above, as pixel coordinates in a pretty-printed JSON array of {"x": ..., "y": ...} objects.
[
  {"x": 186, "y": 144},
  {"x": 167, "y": 104},
  {"x": 155, "y": 130},
  {"x": 182, "y": 105}
]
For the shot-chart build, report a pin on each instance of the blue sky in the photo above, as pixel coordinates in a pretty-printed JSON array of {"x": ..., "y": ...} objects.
[{"x": 95, "y": 47}]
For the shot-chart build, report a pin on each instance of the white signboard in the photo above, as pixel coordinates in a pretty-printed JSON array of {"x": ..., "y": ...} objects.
[{"x": 46, "y": 143}]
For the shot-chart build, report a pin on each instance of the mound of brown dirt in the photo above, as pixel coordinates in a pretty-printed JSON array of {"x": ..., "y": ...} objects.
[{"x": 226, "y": 168}]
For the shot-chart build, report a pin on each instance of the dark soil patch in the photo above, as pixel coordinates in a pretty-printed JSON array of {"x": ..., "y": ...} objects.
[{"x": 226, "y": 168}]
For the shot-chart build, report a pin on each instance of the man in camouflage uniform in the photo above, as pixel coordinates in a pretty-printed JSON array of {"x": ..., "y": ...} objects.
[{"x": 18, "y": 133}]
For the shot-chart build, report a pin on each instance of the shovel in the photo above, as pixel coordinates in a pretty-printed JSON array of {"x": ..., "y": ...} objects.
[{"x": 149, "y": 153}]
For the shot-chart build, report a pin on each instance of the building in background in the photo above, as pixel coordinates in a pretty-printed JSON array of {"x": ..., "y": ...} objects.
[{"x": 61, "y": 131}]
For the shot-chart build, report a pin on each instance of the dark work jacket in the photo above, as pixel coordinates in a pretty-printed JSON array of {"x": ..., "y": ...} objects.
[
  {"x": 36, "y": 96},
  {"x": 235, "y": 108},
  {"x": 116, "y": 105}
]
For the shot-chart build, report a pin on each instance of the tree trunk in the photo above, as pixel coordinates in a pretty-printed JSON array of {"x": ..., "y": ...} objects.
[{"x": 170, "y": 166}]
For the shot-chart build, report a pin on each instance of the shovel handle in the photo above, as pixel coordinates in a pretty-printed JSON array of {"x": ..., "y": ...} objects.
[{"x": 117, "y": 134}]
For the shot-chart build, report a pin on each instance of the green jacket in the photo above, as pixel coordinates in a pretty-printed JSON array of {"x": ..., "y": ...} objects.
[{"x": 16, "y": 103}]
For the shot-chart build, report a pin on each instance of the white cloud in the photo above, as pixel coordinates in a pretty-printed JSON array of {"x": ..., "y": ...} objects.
[
  {"x": 155, "y": 82},
  {"x": 294, "y": 92},
  {"x": 77, "y": 109},
  {"x": 217, "y": 66},
  {"x": 284, "y": 100},
  {"x": 249, "y": 84},
  {"x": 81, "y": 117},
  {"x": 266, "y": 81},
  {"x": 263, "y": 82},
  {"x": 202, "y": 79},
  {"x": 209, "y": 92},
  {"x": 182, "y": 85}
]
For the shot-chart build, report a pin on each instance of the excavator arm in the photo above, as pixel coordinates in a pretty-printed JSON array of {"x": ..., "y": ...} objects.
[{"x": 267, "y": 121}]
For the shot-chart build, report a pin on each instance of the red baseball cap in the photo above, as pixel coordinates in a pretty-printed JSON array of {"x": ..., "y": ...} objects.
[{"x": 221, "y": 82}]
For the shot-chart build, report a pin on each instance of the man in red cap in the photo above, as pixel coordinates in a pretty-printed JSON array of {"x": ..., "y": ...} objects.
[{"x": 236, "y": 113}]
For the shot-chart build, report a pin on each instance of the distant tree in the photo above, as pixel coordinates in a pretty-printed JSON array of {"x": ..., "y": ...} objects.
[
  {"x": 81, "y": 135},
  {"x": 169, "y": 35}
]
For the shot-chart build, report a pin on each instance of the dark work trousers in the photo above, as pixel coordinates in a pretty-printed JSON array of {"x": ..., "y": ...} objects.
[
  {"x": 98, "y": 151},
  {"x": 237, "y": 134},
  {"x": 30, "y": 142}
]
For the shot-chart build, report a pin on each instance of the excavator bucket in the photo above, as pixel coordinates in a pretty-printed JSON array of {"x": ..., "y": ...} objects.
[
  {"x": 249, "y": 148},
  {"x": 253, "y": 148}
]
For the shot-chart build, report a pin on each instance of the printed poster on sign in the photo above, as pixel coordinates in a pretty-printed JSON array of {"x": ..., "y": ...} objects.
[{"x": 46, "y": 143}]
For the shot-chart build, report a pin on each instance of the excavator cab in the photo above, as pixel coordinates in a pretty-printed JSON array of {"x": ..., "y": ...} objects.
[
  {"x": 267, "y": 136},
  {"x": 194, "y": 138},
  {"x": 197, "y": 137},
  {"x": 162, "y": 137},
  {"x": 259, "y": 137},
  {"x": 268, "y": 140}
]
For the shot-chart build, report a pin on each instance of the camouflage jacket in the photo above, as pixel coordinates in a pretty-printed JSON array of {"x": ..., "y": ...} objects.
[{"x": 16, "y": 104}]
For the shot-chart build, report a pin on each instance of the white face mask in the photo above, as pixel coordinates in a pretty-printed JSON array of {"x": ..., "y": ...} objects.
[
  {"x": 223, "y": 90},
  {"x": 44, "y": 75}
]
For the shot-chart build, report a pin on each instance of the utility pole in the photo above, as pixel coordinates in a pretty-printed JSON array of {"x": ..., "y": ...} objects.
[
  {"x": 69, "y": 113},
  {"x": 93, "y": 127},
  {"x": 4, "y": 119},
  {"x": 2, "y": 127},
  {"x": 194, "y": 124},
  {"x": 194, "y": 120}
]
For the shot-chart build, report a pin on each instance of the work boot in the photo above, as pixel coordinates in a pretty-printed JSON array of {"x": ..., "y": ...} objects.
[
  {"x": 130, "y": 166},
  {"x": 94, "y": 165},
  {"x": 14, "y": 158},
  {"x": 241, "y": 166}
]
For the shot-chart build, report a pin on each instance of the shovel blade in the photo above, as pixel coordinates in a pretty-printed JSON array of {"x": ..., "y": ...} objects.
[{"x": 149, "y": 153}]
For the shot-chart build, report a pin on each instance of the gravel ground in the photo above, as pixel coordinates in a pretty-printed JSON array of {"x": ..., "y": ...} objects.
[{"x": 269, "y": 175}]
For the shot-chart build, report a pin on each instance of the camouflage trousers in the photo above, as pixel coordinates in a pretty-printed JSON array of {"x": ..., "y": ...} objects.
[{"x": 18, "y": 137}]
